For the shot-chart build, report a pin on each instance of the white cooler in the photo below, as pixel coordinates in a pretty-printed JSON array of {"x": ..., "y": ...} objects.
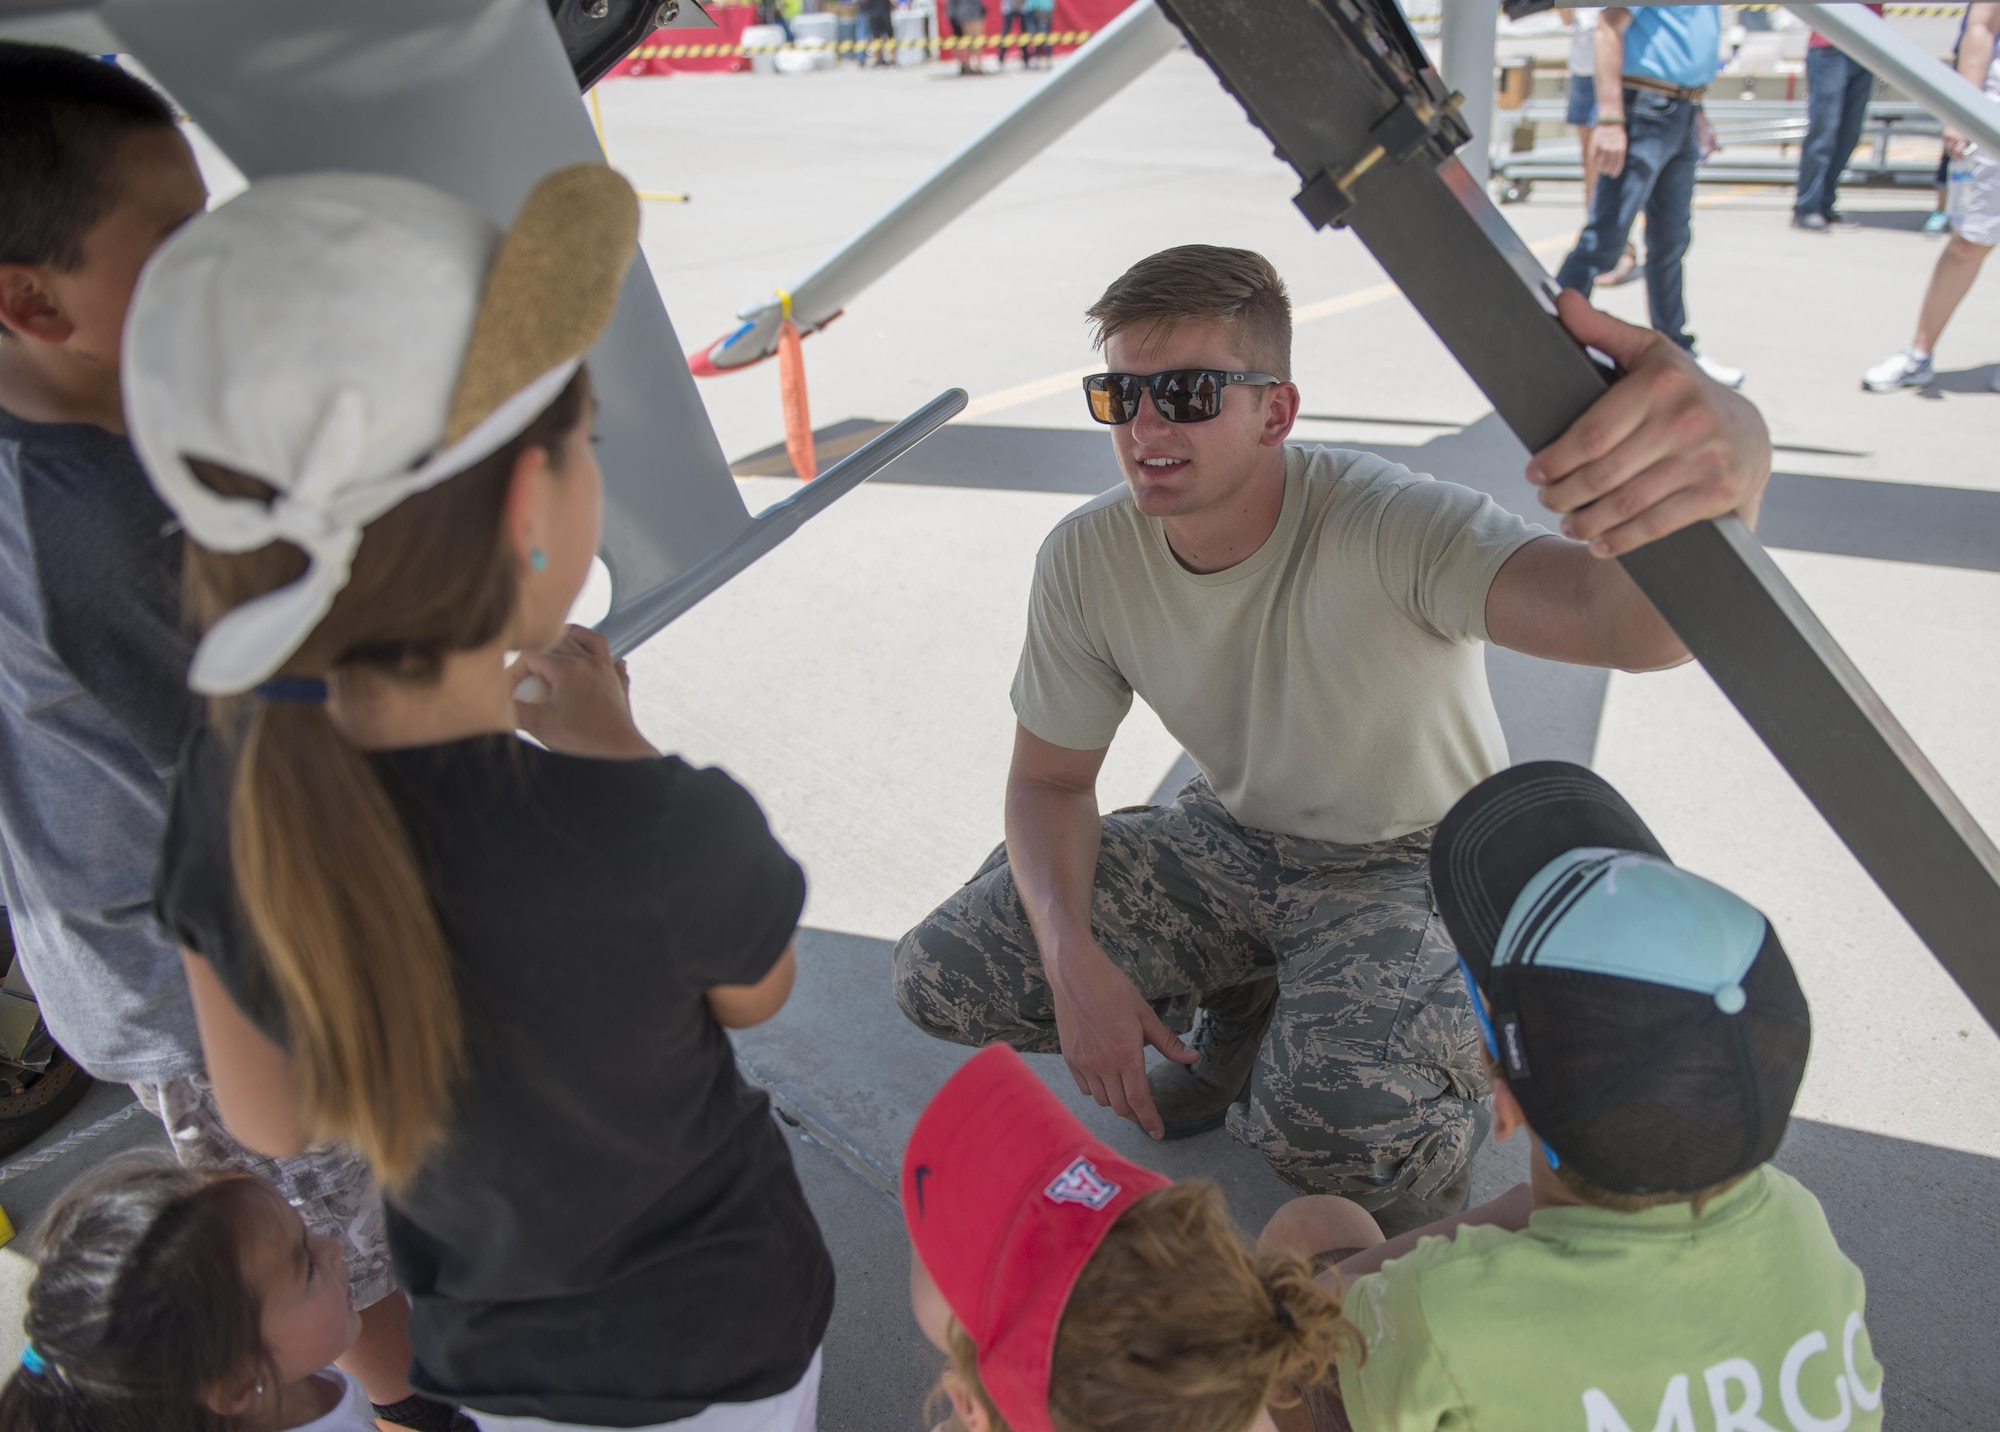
[{"x": 756, "y": 39}]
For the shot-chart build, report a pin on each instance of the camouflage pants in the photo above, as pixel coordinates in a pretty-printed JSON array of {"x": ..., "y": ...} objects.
[
  {"x": 331, "y": 1187},
  {"x": 1369, "y": 1082}
]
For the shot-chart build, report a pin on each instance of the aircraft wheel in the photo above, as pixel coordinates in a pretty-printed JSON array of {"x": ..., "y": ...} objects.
[{"x": 34, "y": 1101}]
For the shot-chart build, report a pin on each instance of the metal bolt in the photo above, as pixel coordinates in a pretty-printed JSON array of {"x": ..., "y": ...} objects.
[
  {"x": 596, "y": 9},
  {"x": 668, "y": 13}
]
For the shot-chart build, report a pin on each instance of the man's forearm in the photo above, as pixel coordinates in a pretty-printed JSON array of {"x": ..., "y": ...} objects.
[
  {"x": 1640, "y": 639},
  {"x": 1052, "y": 839},
  {"x": 1609, "y": 39}
]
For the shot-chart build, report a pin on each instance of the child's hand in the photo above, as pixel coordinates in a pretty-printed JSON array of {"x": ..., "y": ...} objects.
[{"x": 574, "y": 698}]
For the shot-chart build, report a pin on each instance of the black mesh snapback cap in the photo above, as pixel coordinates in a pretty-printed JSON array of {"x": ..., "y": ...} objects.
[{"x": 1647, "y": 1020}]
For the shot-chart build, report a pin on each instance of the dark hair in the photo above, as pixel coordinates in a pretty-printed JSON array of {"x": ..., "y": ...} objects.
[
  {"x": 1198, "y": 283},
  {"x": 62, "y": 115},
  {"x": 139, "y": 1309},
  {"x": 324, "y": 868}
]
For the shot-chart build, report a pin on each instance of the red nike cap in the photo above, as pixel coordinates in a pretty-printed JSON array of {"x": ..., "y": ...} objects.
[{"x": 1006, "y": 1197}]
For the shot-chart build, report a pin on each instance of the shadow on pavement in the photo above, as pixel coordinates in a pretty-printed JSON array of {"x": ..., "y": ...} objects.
[
  {"x": 1908, "y": 221},
  {"x": 1923, "y": 1225},
  {"x": 1848, "y": 517},
  {"x": 1963, "y": 380}
]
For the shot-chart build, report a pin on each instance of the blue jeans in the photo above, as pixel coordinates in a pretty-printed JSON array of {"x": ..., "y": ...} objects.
[
  {"x": 1837, "y": 93},
  {"x": 1658, "y": 181},
  {"x": 1015, "y": 22}
]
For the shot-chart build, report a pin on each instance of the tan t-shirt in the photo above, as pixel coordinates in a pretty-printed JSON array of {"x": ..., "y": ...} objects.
[{"x": 1331, "y": 685}]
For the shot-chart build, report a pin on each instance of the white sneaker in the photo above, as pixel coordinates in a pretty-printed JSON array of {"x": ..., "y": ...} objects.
[
  {"x": 1899, "y": 370},
  {"x": 1721, "y": 372}
]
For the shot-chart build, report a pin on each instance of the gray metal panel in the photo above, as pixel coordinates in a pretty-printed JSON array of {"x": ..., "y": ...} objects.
[
  {"x": 477, "y": 98},
  {"x": 1430, "y": 224}
]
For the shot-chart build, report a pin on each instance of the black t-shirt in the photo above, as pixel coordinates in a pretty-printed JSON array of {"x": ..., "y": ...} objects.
[{"x": 612, "y": 1233}]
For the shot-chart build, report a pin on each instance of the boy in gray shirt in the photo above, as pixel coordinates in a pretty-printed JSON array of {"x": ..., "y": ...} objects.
[{"x": 94, "y": 705}]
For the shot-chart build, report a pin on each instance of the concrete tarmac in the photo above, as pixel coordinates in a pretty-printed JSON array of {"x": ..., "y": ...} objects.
[{"x": 856, "y": 679}]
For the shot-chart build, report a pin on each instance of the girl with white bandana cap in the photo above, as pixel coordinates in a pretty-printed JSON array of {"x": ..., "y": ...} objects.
[{"x": 502, "y": 970}]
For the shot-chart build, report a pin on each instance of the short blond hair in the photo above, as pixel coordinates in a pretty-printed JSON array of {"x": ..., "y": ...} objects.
[
  {"x": 1198, "y": 283},
  {"x": 1175, "y": 1326}
]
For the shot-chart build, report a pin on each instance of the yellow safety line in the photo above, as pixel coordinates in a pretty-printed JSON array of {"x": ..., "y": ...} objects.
[
  {"x": 849, "y": 47},
  {"x": 1041, "y": 38}
]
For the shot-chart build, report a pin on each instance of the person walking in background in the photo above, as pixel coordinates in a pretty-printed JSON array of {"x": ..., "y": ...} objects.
[
  {"x": 1653, "y": 67},
  {"x": 968, "y": 18},
  {"x": 1938, "y": 221},
  {"x": 1582, "y": 115},
  {"x": 875, "y": 23},
  {"x": 1583, "y": 119},
  {"x": 1014, "y": 21},
  {"x": 1041, "y": 20},
  {"x": 1838, "y": 88},
  {"x": 1973, "y": 210}
]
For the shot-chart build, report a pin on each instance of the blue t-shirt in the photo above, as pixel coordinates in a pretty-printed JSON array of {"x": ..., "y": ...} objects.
[{"x": 1675, "y": 44}]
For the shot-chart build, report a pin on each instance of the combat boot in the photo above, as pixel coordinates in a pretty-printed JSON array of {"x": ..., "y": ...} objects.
[{"x": 1194, "y": 1098}]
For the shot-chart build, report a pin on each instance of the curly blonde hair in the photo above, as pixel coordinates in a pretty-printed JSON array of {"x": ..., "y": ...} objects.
[{"x": 1175, "y": 1326}]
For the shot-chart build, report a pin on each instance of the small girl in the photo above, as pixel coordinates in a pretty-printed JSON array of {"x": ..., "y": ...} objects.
[
  {"x": 167, "y": 1300},
  {"x": 503, "y": 971},
  {"x": 1076, "y": 1292}
]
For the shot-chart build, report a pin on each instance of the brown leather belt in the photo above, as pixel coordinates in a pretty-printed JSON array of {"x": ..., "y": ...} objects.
[{"x": 1646, "y": 82}]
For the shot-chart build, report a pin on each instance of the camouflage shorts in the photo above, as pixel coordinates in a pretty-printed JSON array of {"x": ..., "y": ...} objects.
[
  {"x": 1369, "y": 1082},
  {"x": 330, "y": 1187}
]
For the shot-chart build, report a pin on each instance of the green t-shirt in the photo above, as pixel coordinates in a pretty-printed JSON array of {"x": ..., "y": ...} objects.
[{"x": 1747, "y": 1319}]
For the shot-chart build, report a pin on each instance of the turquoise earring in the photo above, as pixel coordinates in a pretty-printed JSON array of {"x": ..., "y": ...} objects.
[{"x": 538, "y": 560}]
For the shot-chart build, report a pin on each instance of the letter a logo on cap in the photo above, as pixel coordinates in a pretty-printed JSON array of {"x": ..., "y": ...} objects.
[{"x": 1082, "y": 1183}]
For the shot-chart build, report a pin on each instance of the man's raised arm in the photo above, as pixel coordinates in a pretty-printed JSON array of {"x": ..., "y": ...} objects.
[
  {"x": 1053, "y": 828},
  {"x": 1665, "y": 447}
]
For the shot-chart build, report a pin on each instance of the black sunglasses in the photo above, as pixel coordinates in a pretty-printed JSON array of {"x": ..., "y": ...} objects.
[{"x": 1183, "y": 395}]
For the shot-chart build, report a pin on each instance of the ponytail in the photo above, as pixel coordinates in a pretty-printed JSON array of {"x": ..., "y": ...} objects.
[
  {"x": 325, "y": 869},
  {"x": 341, "y": 908},
  {"x": 1174, "y": 1326},
  {"x": 1309, "y": 1333}
]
